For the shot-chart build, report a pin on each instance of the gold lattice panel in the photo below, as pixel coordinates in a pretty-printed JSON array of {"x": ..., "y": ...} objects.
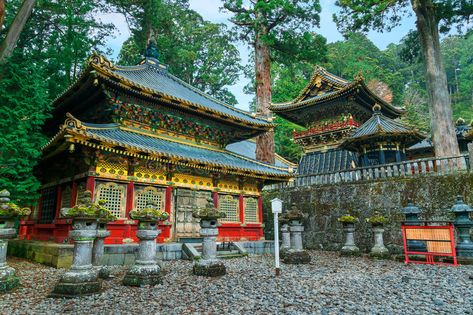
[
  {"x": 112, "y": 167},
  {"x": 143, "y": 195},
  {"x": 230, "y": 206},
  {"x": 191, "y": 181},
  {"x": 115, "y": 197},
  {"x": 251, "y": 210},
  {"x": 149, "y": 174}
]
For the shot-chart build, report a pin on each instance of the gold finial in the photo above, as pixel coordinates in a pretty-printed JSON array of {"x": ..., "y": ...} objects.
[{"x": 376, "y": 107}]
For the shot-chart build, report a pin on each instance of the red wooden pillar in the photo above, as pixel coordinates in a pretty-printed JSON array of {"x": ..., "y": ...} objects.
[
  {"x": 58, "y": 201},
  {"x": 128, "y": 207},
  {"x": 168, "y": 200},
  {"x": 260, "y": 209},
  {"x": 90, "y": 184},
  {"x": 241, "y": 203},
  {"x": 129, "y": 198},
  {"x": 215, "y": 197},
  {"x": 73, "y": 194}
]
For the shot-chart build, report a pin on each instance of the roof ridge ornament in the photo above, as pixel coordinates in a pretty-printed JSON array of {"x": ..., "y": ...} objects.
[
  {"x": 100, "y": 61},
  {"x": 72, "y": 123}
]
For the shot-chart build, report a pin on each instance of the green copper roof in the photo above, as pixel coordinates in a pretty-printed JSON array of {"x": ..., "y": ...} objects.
[
  {"x": 113, "y": 135},
  {"x": 381, "y": 127},
  {"x": 151, "y": 74}
]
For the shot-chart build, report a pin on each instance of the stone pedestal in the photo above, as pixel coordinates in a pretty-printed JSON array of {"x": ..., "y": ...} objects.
[
  {"x": 349, "y": 249},
  {"x": 379, "y": 250},
  {"x": 8, "y": 278},
  {"x": 286, "y": 241},
  {"x": 209, "y": 265},
  {"x": 82, "y": 278},
  {"x": 146, "y": 270},
  {"x": 98, "y": 251},
  {"x": 296, "y": 254}
]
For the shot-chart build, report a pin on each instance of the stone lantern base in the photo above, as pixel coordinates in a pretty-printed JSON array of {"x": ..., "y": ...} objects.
[
  {"x": 209, "y": 268},
  {"x": 379, "y": 252},
  {"x": 139, "y": 275},
  {"x": 296, "y": 257},
  {"x": 8, "y": 279},
  {"x": 76, "y": 283},
  {"x": 350, "y": 250}
]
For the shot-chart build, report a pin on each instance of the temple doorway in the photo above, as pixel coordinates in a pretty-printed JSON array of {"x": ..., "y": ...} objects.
[{"x": 185, "y": 226}]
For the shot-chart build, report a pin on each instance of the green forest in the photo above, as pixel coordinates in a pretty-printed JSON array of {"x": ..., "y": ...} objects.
[{"x": 52, "y": 47}]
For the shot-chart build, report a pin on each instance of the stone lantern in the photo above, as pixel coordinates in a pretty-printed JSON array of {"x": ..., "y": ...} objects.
[
  {"x": 209, "y": 265},
  {"x": 8, "y": 212},
  {"x": 463, "y": 224},
  {"x": 146, "y": 270},
  {"x": 104, "y": 217},
  {"x": 411, "y": 213},
  {"x": 82, "y": 278},
  {"x": 377, "y": 222},
  {"x": 285, "y": 236},
  {"x": 296, "y": 254},
  {"x": 349, "y": 248}
]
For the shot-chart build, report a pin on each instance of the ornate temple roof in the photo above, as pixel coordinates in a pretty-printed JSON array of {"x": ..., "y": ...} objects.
[
  {"x": 151, "y": 80},
  {"x": 333, "y": 160},
  {"x": 125, "y": 141},
  {"x": 324, "y": 88},
  {"x": 380, "y": 127}
]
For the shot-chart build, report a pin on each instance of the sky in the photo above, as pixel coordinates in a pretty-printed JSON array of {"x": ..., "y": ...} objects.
[{"x": 209, "y": 9}]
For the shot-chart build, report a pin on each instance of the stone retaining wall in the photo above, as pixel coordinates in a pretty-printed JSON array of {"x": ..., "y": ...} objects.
[{"x": 325, "y": 203}]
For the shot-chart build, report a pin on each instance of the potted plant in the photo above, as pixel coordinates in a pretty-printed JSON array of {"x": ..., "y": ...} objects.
[
  {"x": 348, "y": 220},
  {"x": 149, "y": 216},
  {"x": 377, "y": 219},
  {"x": 208, "y": 215},
  {"x": 9, "y": 211}
]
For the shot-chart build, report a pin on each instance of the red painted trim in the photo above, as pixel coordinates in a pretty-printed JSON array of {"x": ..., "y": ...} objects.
[
  {"x": 260, "y": 209},
  {"x": 215, "y": 195},
  {"x": 58, "y": 201},
  {"x": 73, "y": 194},
  {"x": 90, "y": 184},
  {"x": 168, "y": 200},
  {"x": 242, "y": 208},
  {"x": 129, "y": 197}
]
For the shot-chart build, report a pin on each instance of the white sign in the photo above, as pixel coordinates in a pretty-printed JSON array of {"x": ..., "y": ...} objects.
[{"x": 276, "y": 205}]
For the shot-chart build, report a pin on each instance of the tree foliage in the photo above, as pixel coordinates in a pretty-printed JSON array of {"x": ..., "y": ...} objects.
[{"x": 197, "y": 51}]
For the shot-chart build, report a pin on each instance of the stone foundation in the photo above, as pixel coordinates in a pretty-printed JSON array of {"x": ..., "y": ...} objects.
[
  {"x": 209, "y": 268},
  {"x": 434, "y": 194},
  {"x": 296, "y": 257}
]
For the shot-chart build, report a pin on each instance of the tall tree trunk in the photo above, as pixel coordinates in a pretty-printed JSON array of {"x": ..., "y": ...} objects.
[
  {"x": 264, "y": 142},
  {"x": 14, "y": 31},
  {"x": 443, "y": 130},
  {"x": 2, "y": 14}
]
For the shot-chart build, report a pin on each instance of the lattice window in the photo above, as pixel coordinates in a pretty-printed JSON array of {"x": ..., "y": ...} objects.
[
  {"x": 229, "y": 205},
  {"x": 66, "y": 196},
  {"x": 114, "y": 195},
  {"x": 251, "y": 210},
  {"x": 48, "y": 205},
  {"x": 143, "y": 195}
]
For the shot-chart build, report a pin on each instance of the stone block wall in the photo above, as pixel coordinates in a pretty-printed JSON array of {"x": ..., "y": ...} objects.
[{"x": 323, "y": 204}]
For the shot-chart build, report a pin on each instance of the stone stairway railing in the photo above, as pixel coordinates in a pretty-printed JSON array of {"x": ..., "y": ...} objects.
[{"x": 428, "y": 166}]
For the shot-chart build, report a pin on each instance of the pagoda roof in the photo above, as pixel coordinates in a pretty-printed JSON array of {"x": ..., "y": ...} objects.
[
  {"x": 151, "y": 80},
  {"x": 381, "y": 127},
  {"x": 325, "y": 87},
  {"x": 125, "y": 141},
  {"x": 248, "y": 148}
]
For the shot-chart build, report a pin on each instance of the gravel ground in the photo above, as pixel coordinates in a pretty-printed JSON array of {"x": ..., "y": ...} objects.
[{"x": 329, "y": 285}]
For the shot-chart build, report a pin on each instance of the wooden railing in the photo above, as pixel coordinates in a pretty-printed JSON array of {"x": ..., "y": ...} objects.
[{"x": 430, "y": 166}]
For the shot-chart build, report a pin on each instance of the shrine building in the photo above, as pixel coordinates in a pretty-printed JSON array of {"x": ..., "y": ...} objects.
[
  {"x": 134, "y": 133},
  {"x": 332, "y": 109}
]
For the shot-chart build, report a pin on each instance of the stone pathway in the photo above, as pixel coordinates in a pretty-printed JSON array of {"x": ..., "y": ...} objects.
[{"x": 329, "y": 285}]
